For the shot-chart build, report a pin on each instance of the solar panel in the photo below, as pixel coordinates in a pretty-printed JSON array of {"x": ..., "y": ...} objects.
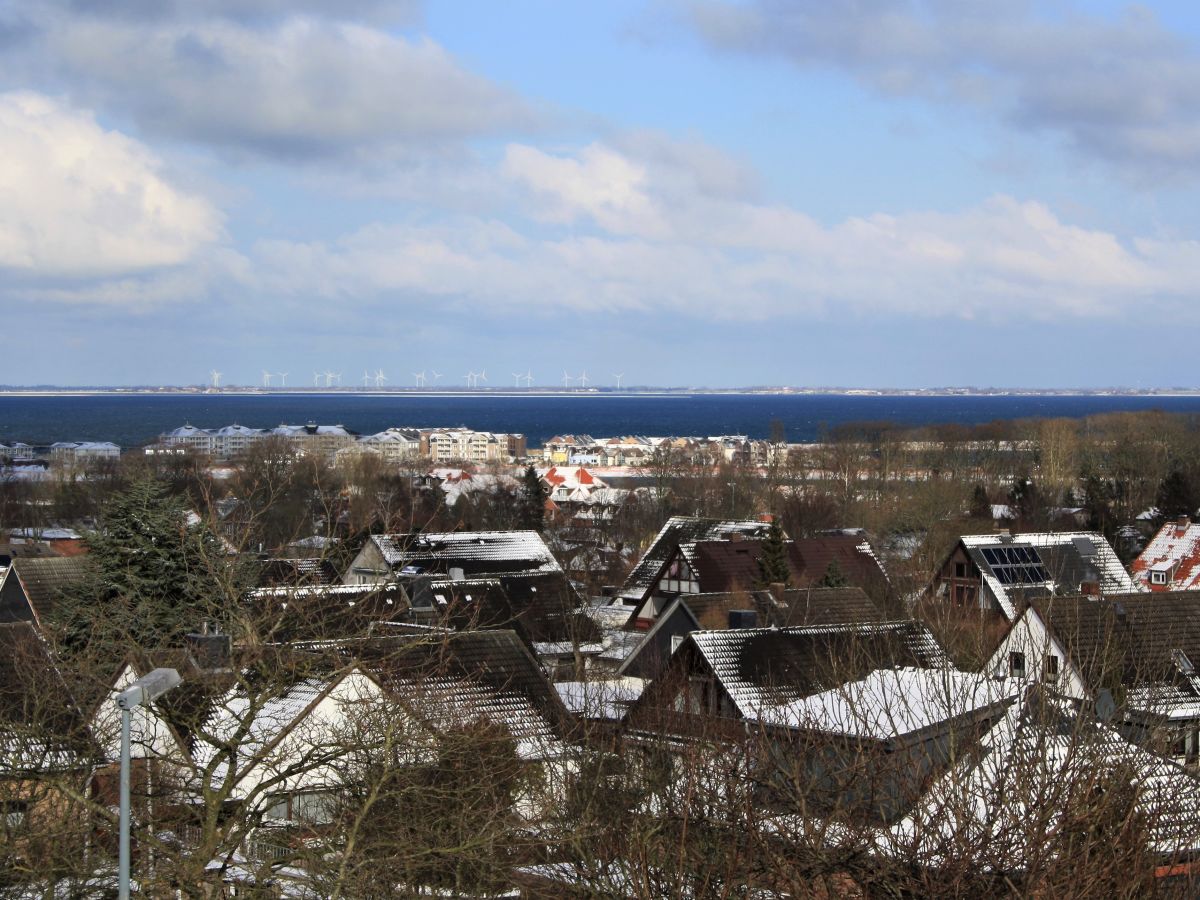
[{"x": 1016, "y": 564}]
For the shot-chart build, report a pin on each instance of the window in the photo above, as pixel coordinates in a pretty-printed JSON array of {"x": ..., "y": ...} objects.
[
  {"x": 308, "y": 808},
  {"x": 1016, "y": 664},
  {"x": 960, "y": 570},
  {"x": 1050, "y": 667},
  {"x": 14, "y": 814},
  {"x": 1158, "y": 577}
]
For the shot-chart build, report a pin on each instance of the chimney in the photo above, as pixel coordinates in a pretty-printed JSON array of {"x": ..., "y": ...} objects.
[
  {"x": 1181, "y": 525},
  {"x": 736, "y": 536},
  {"x": 743, "y": 618},
  {"x": 210, "y": 650},
  {"x": 766, "y": 518},
  {"x": 1090, "y": 588},
  {"x": 456, "y": 574}
]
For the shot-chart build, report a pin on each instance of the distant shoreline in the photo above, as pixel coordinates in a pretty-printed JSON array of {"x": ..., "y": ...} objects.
[{"x": 587, "y": 393}]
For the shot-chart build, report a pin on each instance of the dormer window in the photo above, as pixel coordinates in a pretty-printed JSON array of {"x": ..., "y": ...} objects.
[{"x": 1158, "y": 576}]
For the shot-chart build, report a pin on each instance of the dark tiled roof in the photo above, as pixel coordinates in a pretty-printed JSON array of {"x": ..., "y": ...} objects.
[
  {"x": 296, "y": 572},
  {"x": 731, "y": 565},
  {"x": 768, "y": 666},
  {"x": 852, "y": 554},
  {"x": 44, "y": 579},
  {"x": 496, "y": 660},
  {"x": 326, "y": 611},
  {"x": 820, "y": 606},
  {"x": 1130, "y": 637},
  {"x": 540, "y": 607},
  {"x": 682, "y": 530}
]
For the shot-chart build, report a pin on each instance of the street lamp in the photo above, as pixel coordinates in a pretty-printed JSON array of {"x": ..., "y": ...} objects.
[{"x": 140, "y": 693}]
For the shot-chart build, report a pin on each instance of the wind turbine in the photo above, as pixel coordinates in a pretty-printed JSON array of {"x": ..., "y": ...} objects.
[
  {"x": 567, "y": 379},
  {"x": 283, "y": 379},
  {"x": 436, "y": 376},
  {"x": 419, "y": 378},
  {"x": 338, "y": 376},
  {"x": 366, "y": 378},
  {"x": 529, "y": 378},
  {"x": 316, "y": 379},
  {"x": 583, "y": 379},
  {"x": 216, "y": 378},
  {"x": 619, "y": 377},
  {"x": 470, "y": 376},
  {"x": 266, "y": 378},
  {"x": 517, "y": 376},
  {"x": 482, "y": 375},
  {"x": 380, "y": 378}
]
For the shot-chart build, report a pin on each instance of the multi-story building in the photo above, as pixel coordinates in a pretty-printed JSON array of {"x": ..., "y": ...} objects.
[{"x": 80, "y": 452}]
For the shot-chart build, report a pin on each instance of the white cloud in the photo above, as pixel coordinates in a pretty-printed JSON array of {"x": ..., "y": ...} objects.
[
  {"x": 298, "y": 88},
  {"x": 607, "y": 234},
  {"x": 77, "y": 201}
]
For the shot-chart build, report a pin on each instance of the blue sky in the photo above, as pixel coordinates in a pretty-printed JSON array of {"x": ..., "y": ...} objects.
[{"x": 705, "y": 192}]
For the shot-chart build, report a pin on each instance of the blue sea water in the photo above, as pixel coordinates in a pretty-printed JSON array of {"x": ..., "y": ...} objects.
[{"x": 134, "y": 419}]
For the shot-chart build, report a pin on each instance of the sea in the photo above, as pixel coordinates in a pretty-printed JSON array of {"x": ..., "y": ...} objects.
[{"x": 134, "y": 419}]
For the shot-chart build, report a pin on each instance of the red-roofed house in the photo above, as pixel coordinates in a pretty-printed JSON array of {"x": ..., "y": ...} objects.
[{"x": 1171, "y": 561}]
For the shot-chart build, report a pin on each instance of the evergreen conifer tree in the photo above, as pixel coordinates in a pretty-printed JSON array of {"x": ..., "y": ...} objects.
[
  {"x": 153, "y": 577},
  {"x": 772, "y": 560},
  {"x": 532, "y": 500},
  {"x": 833, "y": 577}
]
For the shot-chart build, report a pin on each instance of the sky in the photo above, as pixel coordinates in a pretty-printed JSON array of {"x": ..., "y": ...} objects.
[{"x": 879, "y": 193}]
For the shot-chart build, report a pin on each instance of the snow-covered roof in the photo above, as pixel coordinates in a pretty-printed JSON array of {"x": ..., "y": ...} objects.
[
  {"x": 1175, "y": 551},
  {"x": 1040, "y": 750},
  {"x": 600, "y": 699},
  {"x": 490, "y": 551},
  {"x": 1060, "y": 562},
  {"x": 891, "y": 703},
  {"x": 762, "y": 668}
]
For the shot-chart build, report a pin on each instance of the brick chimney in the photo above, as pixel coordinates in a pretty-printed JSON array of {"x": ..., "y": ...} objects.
[{"x": 1181, "y": 525}]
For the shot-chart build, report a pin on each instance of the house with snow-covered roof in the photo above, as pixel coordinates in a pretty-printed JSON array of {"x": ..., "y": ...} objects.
[
  {"x": 1171, "y": 559},
  {"x": 1000, "y": 572},
  {"x": 455, "y": 554}
]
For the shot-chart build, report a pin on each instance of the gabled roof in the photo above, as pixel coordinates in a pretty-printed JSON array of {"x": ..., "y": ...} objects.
[
  {"x": 1037, "y": 564},
  {"x": 44, "y": 579},
  {"x": 889, "y": 704},
  {"x": 541, "y": 606},
  {"x": 682, "y": 531},
  {"x": 461, "y": 677},
  {"x": 1175, "y": 551},
  {"x": 326, "y": 611},
  {"x": 1042, "y": 750},
  {"x": 1133, "y": 638},
  {"x": 302, "y": 571},
  {"x": 475, "y": 552},
  {"x": 765, "y": 667},
  {"x": 819, "y": 606}
]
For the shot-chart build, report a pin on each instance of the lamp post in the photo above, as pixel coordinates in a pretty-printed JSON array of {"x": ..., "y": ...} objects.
[{"x": 140, "y": 693}]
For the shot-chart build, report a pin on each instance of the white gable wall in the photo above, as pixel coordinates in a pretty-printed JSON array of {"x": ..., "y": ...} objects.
[{"x": 1030, "y": 637}]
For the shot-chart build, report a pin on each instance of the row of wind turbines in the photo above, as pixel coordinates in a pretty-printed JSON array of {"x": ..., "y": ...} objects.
[{"x": 420, "y": 379}]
